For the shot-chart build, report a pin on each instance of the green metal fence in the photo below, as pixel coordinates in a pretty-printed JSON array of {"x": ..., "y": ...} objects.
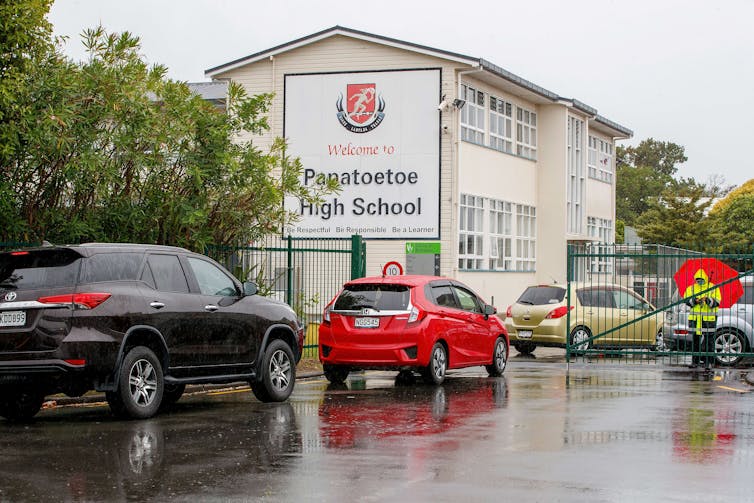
[
  {"x": 626, "y": 305},
  {"x": 305, "y": 273}
]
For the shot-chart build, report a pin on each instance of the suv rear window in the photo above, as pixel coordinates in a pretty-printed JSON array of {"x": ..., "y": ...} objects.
[
  {"x": 39, "y": 269},
  {"x": 541, "y": 295},
  {"x": 380, "y": 297}
]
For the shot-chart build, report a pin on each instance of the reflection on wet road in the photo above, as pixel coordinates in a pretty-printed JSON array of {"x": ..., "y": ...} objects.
[{"x": 543, "y": 432}]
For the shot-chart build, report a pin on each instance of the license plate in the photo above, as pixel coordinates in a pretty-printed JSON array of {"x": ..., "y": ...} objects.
[
  {"x": 367, "y": 323},
  {"x": 524, "y": 334},
  {"x": 13, "y": 319}
]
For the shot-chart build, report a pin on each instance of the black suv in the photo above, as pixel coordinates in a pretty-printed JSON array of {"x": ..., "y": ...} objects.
[{"x": 138, "y": 322}]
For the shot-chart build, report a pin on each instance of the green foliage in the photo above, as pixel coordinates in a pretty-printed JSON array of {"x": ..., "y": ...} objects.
[
  {"x": 677, "y": 217},
  {"x": 733, "y": 223},
  {"x": 111, "y": 150},
  {"x": 661, "y": 156}
]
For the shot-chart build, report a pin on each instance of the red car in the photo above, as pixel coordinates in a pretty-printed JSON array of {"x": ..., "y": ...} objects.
[{"x": 410, "y": 323}]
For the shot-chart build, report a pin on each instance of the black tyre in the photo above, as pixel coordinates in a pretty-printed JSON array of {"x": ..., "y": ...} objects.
[
  {"x": 171, "y": 393},
  {"x": 20, "y": 405},
  {"x": 732, "y": 342},
  {"x": 277, "y": 373},
  {"x": 140, "y": 385},
  {"x": 499, "y": 358},
  {"x": 336, "y": 374},
  {"x": 525, "y": 348},
  {"x": 434, "y": 373},
  {"x": 405, "y": 378},
  {"x": 579, "y": 337}
]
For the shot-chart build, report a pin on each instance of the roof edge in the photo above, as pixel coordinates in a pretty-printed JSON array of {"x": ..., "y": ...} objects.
[{"x": 339, "y": 30}]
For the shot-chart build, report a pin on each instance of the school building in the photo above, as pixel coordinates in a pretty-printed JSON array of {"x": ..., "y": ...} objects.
[{"x": 449, "y": 164}]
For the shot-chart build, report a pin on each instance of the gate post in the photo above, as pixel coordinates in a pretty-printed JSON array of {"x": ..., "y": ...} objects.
[
  {"x": 289, "y": 270},
  {"x": 358, "y": 257}
]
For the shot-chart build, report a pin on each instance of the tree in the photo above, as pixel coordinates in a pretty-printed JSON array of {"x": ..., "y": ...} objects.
[
  {"x": 25, "y": 36},
  {"x": 746, "y": 188},
  {"x": 731, "y": 224},
  {"x": 677, "y": 217},
  {"x": 662, "y": 156},
  {"x": 114, "y": 151}
]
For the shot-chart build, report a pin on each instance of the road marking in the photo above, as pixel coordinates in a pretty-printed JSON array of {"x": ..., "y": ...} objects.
[{"x": 734, "y": 389}]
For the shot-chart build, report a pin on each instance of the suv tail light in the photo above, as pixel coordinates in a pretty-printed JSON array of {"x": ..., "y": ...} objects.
[
  {"x": 77, "y": 300},
  {"x": 558, "y": 312}
]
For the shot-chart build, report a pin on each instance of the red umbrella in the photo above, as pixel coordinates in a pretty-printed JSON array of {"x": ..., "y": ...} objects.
[{"x": 718, "y": 273}]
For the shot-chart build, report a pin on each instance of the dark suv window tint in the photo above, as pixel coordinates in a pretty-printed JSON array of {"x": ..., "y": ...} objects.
[
  {"x": 468, "y": 300},
  {"x": 443, "y": 296},
  {"x": 212, "y": 281},
  {"x": 39, "y": 269},
  {"x": 168, "y": 273},
  {"x": 541, "y": 295},
  {"x": 111, "y": 267},
  {"x": 382, "y": 297}
]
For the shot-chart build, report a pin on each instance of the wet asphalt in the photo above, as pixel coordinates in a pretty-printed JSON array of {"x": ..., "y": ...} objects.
[{"x": 545, "y": 431}]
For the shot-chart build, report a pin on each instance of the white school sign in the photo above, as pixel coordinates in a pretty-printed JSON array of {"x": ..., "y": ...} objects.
[{"x": 378, "y": 133}]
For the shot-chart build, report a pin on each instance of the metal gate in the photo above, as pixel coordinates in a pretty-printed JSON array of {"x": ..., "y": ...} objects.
[
  {"x": 304, "y": 273},
  {"x": 625, "y": 305}
]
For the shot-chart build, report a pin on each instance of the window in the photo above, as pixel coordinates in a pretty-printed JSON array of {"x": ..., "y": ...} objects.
[
  {"x": 471, "y": 232},
  {"x": 168, "y": 273},
  {"x": 212, "y": 281},
  {"x": 111, "y": 267},
  {"x": 601, "y": 230},
  {"x": 526, "y": 233},
  {"x": 467, "y": 300},
  {"x": 501, "y": 116},
  {"x": 490, "y": 238},
  {"x": 367, "y": 296},
  {"x": 444, "y": 296},
  {"x": 472, "y": 115},
  {"x": 576, "y": 179},
  {"x": 600, "y": 160},
  {"x": 501, "y": 235},
  {"x": 526, "y": 133}
]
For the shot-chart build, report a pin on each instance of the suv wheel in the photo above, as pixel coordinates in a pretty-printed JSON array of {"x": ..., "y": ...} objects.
[
  {"x": 140, "y": 385},
  {"x": 336, "y": 374},
  {"x": 499, "y": 358},
  {"x": 434, "y": 373},
  {"x": 729, "y": 341},
  {"x": 278, "y": 373},
  {"x": 20, "y": 405}
]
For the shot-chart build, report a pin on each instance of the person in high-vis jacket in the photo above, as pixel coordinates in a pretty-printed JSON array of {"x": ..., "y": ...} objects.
[{"x": 703, "y": 298}]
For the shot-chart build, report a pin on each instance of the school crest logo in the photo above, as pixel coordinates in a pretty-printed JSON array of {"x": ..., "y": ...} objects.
[{"x": 364, "y": 109}]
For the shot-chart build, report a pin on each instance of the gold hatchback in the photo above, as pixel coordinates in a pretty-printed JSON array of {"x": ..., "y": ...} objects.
[{"x": 601, "y": 315}]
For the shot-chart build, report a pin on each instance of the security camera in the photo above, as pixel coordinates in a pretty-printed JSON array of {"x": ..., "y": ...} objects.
[{"x": 443, "y": 105}]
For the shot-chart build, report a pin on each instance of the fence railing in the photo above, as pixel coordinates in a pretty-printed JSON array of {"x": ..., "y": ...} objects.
[{"x": 630, "y": 304}]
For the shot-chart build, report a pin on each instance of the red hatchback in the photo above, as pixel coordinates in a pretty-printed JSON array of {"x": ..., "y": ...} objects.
[{"x": 410, "y": 323}]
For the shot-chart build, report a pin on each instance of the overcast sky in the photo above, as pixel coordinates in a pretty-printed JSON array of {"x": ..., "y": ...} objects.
[{"x": 673, "y": 70}]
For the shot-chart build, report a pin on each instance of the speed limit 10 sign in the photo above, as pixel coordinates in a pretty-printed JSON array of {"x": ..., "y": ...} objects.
[{"x": 392, "y": 269}]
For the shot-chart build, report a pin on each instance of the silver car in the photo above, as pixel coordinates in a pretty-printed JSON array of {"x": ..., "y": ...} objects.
[{"x": 735, "y": 327}]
